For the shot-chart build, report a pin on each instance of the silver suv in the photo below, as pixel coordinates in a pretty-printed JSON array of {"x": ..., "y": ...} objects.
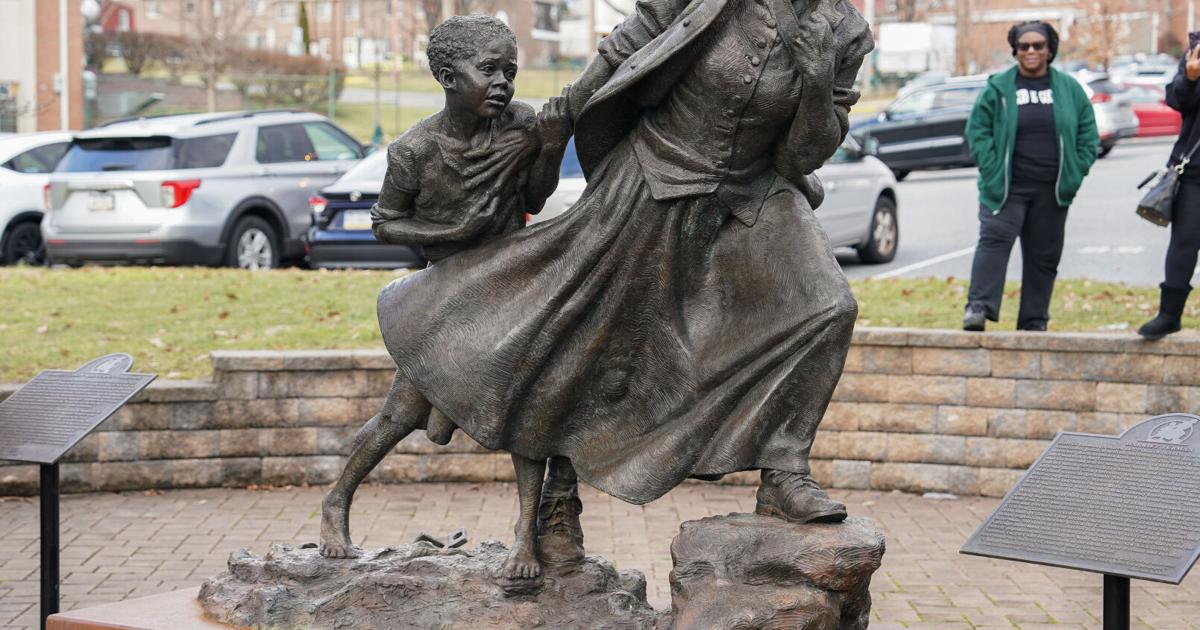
[{"x": 193, "y": 189}]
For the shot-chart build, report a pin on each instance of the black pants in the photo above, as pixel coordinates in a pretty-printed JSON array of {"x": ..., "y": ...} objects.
[
  {"x": 1185, "y": 236},
  {"x": 1033, "y": 215}
]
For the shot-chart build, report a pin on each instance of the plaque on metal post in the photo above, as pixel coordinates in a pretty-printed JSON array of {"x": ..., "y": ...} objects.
[
  {"x": 1124, "y": 506},
  {"x": 58, "y": 408},
  {"x": 45, "y": 418}
]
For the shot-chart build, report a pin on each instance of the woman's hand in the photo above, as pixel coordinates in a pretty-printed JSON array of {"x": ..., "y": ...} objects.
[
  {"x": 814, "y": 49},
  {"x": 554, "y": 123},
  {"x": 1193, "y": 63}
]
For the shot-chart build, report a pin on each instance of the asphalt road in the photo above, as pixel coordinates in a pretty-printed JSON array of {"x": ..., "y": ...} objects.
[{"x": 1105, "y": 240}]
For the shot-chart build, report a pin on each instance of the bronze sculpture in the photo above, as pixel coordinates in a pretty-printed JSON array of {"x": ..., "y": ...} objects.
[
  {"x": 687, "y": 318},
  {"x": 460, "y": 178}
]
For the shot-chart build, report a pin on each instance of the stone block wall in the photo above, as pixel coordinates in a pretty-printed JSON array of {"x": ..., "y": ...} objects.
[{"x": 916, "y": 410}]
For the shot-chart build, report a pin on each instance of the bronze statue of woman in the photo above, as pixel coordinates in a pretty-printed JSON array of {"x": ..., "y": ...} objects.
[{"x": 687, "y": 317}]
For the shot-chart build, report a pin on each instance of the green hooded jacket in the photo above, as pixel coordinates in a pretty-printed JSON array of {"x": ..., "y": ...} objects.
[{"x": 992, "y": 132}]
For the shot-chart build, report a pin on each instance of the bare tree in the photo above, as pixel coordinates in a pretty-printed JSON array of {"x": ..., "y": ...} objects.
[
  {"x": 433, "y": 13},
  {"x": 214, "y": 31},
  {"x": 138, "y": 49},
  {"x": 910, "y": 10},
  {"x": 1101, "y": 31}
]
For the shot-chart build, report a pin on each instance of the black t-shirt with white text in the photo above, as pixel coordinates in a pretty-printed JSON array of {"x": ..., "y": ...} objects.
[{"x": 1035, "y": 153}]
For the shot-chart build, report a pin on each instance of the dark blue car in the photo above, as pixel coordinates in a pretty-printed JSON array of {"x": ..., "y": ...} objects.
[{"x": 341, "y": 234}]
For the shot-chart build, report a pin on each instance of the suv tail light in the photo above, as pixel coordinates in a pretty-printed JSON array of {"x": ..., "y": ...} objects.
[
  {"x": 46, "y": 197},
  {"x": 317, "y": 203},
  {"x": 177, "y": 193},
  {"x": 1100, "y": 97}
]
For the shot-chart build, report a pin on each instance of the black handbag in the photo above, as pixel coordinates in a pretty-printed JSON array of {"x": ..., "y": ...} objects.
[{"x": 1158, "y": 204}]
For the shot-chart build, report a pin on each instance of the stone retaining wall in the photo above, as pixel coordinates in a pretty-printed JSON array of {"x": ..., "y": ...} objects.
[{"x": 916, "y": 410}]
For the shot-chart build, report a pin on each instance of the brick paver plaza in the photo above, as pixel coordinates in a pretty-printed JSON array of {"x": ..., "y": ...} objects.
[{"x": 119, "y": 546}]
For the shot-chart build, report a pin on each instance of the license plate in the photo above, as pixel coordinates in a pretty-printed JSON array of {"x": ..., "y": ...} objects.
[
  {"x": 356, "y": 220},
  {"x": 100, "y": 202}
]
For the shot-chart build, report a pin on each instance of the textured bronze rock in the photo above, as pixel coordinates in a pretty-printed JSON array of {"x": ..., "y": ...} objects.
[
  {"x": 742, "y": 571},
  {"x": 419, "y": 586},
  {"x": 750, "y": 572}
]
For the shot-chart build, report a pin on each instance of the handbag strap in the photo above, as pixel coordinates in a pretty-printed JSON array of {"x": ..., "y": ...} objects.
[{"x": 1179, "y": 167}]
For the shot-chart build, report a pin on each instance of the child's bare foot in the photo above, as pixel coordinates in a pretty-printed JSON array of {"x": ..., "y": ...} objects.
[
  {"x": 522, "y": 563},
  {"x": 335, "y": 528}
]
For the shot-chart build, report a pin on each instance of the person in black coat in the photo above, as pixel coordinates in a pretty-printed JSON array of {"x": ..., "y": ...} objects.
[{"x": 1183, "y": 95}]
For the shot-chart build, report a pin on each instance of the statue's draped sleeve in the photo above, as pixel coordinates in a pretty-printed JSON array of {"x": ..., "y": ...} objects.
[
  {"x": 649, "y": 19},
  {"x": 815, "y": 136}
]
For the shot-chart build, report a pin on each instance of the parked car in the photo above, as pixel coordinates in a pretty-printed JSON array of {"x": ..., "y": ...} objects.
[
  {"x": 859, "y": 210},
  {"x": 1113, "y": 106},
  {"x": 193, "y": 189},
  {"x": 1156, "y": 71},
  {"x": 927, "y": 78},
  {"x": 1155, "y": 117},
  {"x": 341, "y": 236},
  {"x": 25, "y": 164},
  {"x": 925, "y": 130}
]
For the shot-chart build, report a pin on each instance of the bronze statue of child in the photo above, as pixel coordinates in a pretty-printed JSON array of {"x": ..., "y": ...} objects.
[{"x": 457, "y": 180}]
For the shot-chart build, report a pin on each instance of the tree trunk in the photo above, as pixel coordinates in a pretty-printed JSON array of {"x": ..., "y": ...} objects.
[{"x": 210, "y": 88}]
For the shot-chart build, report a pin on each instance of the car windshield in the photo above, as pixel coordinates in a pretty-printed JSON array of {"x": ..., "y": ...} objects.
[
  {"x": 369, "y": 172},
  {"x": 152, "y": 153}
]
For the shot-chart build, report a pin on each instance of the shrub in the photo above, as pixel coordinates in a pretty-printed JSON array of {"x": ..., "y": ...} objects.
[{"x": 272, "y": 79}]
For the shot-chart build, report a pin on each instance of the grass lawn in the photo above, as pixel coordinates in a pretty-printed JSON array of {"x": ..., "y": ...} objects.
[{"x": 169, "y": 319}]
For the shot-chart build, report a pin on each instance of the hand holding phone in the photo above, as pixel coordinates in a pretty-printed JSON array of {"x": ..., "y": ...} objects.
[{"x": 1192, "y": 67}]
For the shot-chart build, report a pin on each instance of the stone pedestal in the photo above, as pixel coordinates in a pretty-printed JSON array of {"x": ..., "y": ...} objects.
[
  {"x": 740, "y": 571},
  {"x": 420, "y": 586},
  {"x": 750, "y": 572}
]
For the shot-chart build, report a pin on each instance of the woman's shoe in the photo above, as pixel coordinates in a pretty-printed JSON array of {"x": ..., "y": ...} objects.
[
  {"x": 1170, "y": 314},
  {"x": 974, "y": 317}
]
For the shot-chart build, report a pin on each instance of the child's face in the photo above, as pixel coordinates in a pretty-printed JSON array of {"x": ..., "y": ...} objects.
[{"x": 483, "y": 84}]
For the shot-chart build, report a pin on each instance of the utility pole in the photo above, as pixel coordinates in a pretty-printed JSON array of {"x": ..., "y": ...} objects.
[{"x": 962, "y": 25}]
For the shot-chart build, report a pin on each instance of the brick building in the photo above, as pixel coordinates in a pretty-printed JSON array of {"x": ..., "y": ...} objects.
[
  {"x": 1134, "y": 26},
  {"x": 30, "y": 85},
  {"x": 353, "y": 32}
]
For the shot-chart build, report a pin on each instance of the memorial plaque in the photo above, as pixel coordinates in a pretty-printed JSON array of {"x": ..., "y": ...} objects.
[
  {"x": 1124, "y": 506},
  {"x": 58, "y": 408}
]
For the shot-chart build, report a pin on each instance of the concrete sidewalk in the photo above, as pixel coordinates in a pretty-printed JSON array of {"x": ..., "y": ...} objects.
[{"x": 118, "y": 546}]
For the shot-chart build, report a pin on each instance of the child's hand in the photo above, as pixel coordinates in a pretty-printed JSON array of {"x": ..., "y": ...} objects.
[{"x": 554, "y": 123}]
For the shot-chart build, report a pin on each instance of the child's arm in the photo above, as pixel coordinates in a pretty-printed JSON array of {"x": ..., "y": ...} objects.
[
  {"x": 396, "y": 197},
  {"x": 554, "y": 128}
]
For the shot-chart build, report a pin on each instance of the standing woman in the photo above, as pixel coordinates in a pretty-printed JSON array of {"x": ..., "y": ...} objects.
[
  {"x": 1183, "y": 95},
  {"x": 1033, "y": 134}
]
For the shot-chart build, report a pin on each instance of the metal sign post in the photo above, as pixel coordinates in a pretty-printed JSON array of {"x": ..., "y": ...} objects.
[
  {"x": 50, "y": 414},
  {"x": 1116, "y": 602},
  {"x": 49, "y": 540}
]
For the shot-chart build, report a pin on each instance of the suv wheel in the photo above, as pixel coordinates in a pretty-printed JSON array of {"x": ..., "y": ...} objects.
[
  {"x": 24, "y": 244},
  {"x": 1105, "y": 149},
  {"x": 253, "y": 245},
  {"x": 884, "y": 237}
]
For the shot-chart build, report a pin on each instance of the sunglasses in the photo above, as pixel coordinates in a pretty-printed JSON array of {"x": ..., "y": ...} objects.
[{"x": 1038, "y": 46}]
